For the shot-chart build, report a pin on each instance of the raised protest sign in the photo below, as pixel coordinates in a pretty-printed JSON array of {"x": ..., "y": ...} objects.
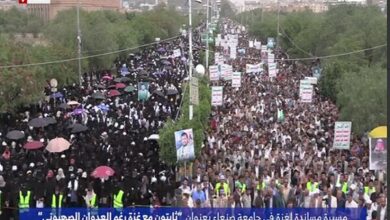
[
  {"x": 305, "y": 91},
  {"x": 236, "y": 80},
  {"x": 216, "y": 95},
  {"x": 342, "y": 135}
]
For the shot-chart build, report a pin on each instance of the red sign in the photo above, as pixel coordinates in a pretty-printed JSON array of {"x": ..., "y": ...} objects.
[{"x": 22, "y": 1}]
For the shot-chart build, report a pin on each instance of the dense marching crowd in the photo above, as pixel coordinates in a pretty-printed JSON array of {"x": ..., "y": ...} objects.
[
  {"x": 250, "y": 158},
  {"x": 253, "y": 158},
  {"x": 106, "y": 124}
]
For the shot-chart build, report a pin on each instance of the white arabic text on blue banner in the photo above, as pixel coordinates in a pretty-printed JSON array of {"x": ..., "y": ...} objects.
[{"x": 191, "y": 214}]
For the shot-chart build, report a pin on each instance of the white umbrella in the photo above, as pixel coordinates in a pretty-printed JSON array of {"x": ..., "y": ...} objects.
[{"x": 154, "y": 137}]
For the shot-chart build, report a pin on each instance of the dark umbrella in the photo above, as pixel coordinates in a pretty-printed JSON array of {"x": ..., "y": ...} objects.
[
  {"x": 100, "y": 86},
  {"x": 122, "y": 79},
  {"x": 15, "y": 135},
  {"x": 130, "y": 89},
  {"x": 172, "y": 92},
  {"x": 159, "y": 93},
  {"x": 50, "y": 120},
  {"x": 64, "y": 106},
  {"x": 77, "y": 128},
  {"x": 111, "y": 87},
  {"x": 98, "y": 95},
  {"x": 38, "y": 123}
]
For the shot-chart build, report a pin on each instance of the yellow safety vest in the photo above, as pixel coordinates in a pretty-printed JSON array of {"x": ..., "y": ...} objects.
[
  {"x": 344, "y": 188},
  {"x": 118, "y": 199},
  {"x": 225, "y": 188},
  {"x": 368, "y": 190},
  {"x": 260, "y": 187},
  {"x": 92, "y": 202},
  {"x": 311, "y": 186},
  {"x": 24, "y": 201},
  {"x": 53, "y": 201}
]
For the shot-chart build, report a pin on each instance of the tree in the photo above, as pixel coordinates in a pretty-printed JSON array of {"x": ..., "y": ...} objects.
[
  {"x": 199, "y": 123},
  {"x": 18, "y": 86},
  {"x": 362, "y": 98}
]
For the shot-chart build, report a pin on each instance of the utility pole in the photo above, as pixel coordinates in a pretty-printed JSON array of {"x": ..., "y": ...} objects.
[
  {"x": 79, "y": 41},
  {"x": 190, "y": 56},
  {"x": 207, "y": 35},
  {"x": 277, "y": 34}
]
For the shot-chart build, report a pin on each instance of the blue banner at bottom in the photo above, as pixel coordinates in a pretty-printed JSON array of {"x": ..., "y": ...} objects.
[{"x": 192, "y": 214}]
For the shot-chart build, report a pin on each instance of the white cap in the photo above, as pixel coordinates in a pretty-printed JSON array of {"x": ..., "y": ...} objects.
[
  {"x": 116, "y": 124},
  {"x": 145, "y": 138},
  {"x": 124, "y": 133},
  {"x": 32, "y": 165},
  {"x": 154, "y": 179},
  {"x": 4, "y": 144},
  {"x": 133, "y": 143},
  {"x": 84, "y": 175},
  {"x": 63, "y": 156},
  {"x": 122, "y": 127},
  {"x": 14, "y": 168},
  {"x": 42, "y": 140},
  {"x": 163, "y": 178},
  {"x": 353, "y": 186}
]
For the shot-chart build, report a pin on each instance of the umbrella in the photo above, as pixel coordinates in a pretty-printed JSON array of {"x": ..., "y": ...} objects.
[
  {"x": 129, "y": 88},
  {"x": 159, "y": 93},
  {"x": 50, "y": 120},
  {"x": 57, "y": 95},
  {"x": 113, "y": 93},
  {"x": 161, "y": 49},
  {"x": 122, "y": 79},
  {"x": 108, "y": 78},
  {"x": 154, "y": 137},
  {"x": 78, "y": 111},
  {"x": 15, "y": 135},
  {"x": 111, "y": 87},
  {"x": 103, "y": 107},
  {"x": 102, "y": 172},
  {"x": 33, "y": 145},
  {"x": 64, "y": 106},
  {"x": 57, "y": 145},
  {"x": 98, "y": 95},
  {"x": 120, "y": 86},
  {"x": 77, "y": 128},
  {"x": 38, "y": 123},
  {"x": 166, "y": 62},
  {"x": 73, "y": 103},
  {"x": 172, "y": 92},
  {"x": 99, "y": 86}
]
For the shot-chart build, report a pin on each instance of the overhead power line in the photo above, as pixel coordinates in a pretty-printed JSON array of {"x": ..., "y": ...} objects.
[
  {"x": 86, "y": 57},
  {"x": 322, "y": 57}
]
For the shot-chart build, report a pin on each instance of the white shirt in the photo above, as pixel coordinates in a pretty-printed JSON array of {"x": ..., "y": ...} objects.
[
  {"x": 382, "y": 214},
  {"x": 351, "y": 204}
]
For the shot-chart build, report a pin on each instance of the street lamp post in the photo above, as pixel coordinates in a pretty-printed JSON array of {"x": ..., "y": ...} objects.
[
  {"x": 190, "y": 57},
  {"x": 207, "y": 35},
  {"x": 79, "y": 40}
]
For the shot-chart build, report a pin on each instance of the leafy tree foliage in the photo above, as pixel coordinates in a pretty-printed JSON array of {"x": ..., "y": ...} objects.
[
  {"x": 101, "y": 32},
  {"x": 198, "y": 123}
]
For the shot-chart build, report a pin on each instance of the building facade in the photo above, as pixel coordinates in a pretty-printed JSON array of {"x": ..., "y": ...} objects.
[{"x": 50, "y": 11}]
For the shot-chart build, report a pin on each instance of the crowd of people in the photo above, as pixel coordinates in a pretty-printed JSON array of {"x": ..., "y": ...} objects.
[
  {"x": 251, "y": 157},
  {"x": 107, "y": 123},
  {"x": 254, "y": 158}
]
